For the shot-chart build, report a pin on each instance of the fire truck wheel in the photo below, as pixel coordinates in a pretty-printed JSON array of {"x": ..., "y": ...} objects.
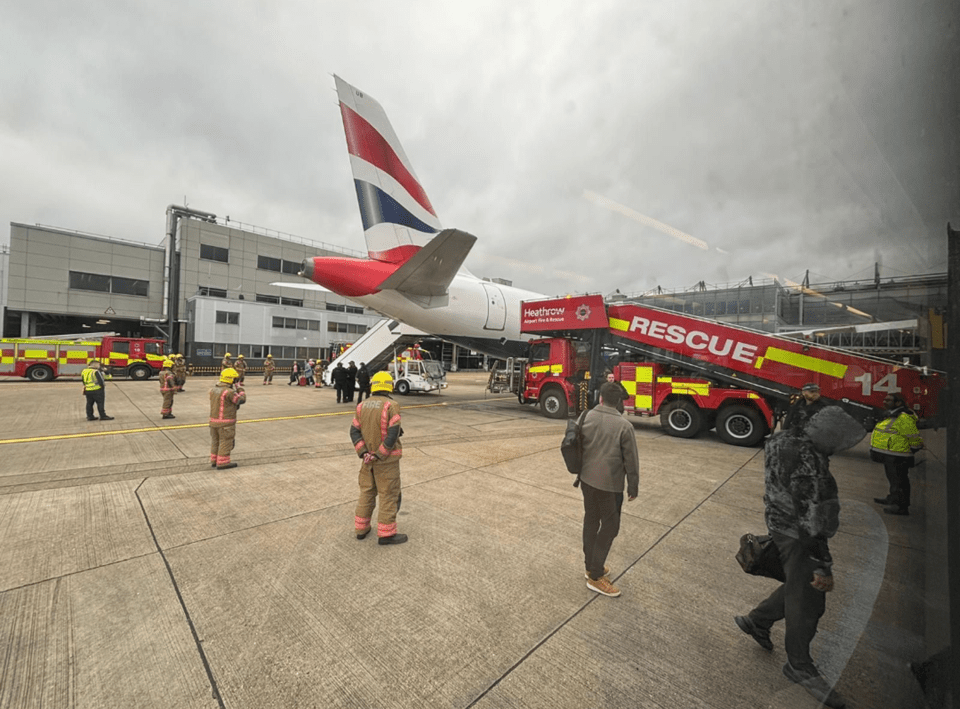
[
  {"x": 740, "y": 426},
  {"x": 681, "y": 419},
  {"x": 139, "y": 373},
  {"x": 553, "y": 403},
  {"x": 40, "y": 373},
  {"x": 402, "y": 387}
]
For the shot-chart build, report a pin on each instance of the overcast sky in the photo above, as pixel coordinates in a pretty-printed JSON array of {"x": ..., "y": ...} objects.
[{"x": 589, "y": 146}]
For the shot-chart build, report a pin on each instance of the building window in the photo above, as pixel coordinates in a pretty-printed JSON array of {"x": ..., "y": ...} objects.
[
  {"x": 268, "y": 263},
  {"x": 354, "y": 309},
  {"x": 129, "y": 286},
  {"x": 346, "y": 327},
  {"x": 290, "y": 323},
  {"x": 292, "y": 267},
  {"x": 277, "y": 322},
  {"x": 275, "y": 299},
  {"x": 313, "y": 325},
  {"x": 214, "y": 253},
  {"x": 211, "y": 291},
  {"x": 298, "y": 302},
  {"x": 337, "y": 307},
  {"x": 296, "y": 324},
  {"x": 228, "y": 318},
  {"x": 108, "y": 284}
]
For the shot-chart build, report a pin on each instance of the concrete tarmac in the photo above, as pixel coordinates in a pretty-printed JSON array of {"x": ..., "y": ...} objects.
[{"x": 134, "y": 575}]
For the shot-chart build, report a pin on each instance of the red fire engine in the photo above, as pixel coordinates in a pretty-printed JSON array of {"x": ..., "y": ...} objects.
[
  {"x": 696, "y": 373},
  {"x": 43, "y": 360}
]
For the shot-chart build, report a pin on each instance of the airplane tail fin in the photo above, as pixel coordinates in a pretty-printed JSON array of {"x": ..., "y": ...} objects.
[{"x": 398, "y": 219}]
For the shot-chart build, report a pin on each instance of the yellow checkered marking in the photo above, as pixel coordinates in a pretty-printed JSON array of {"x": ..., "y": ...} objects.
[
  {"x": 688, "y": 388},
  {"x": 34, "y": 354},
  {"x": 802, "y": 361},
  {"x": 643, "y": 402}
]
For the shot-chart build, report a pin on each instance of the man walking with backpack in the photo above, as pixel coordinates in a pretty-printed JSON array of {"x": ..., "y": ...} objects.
[{"x": 610, "y": 458}]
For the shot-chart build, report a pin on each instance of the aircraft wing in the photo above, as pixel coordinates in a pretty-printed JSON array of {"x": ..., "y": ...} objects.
[
  {"x": 430, "y": 271},
  {"x": 302, "y": 286}
]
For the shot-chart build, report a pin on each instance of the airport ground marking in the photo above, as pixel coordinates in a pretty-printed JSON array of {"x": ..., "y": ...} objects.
[{"x": 180, "y": 427}]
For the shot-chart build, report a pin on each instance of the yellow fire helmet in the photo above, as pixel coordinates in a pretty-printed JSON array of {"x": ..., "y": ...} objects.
[
  {"x": 166, "y": 364},
  {"x": 239, "y": 356},
  {"x": 269, "y": 356},
  {"x": 229, "y": 375},
  {"x": 228, "y": 355},
  {"x": 381, "y": 381}
]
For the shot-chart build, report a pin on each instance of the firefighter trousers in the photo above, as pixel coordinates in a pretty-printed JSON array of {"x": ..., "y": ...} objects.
[
  {"x": 379, "y": 479},
  {"x": 167, "y": 406},
  {"x": 222, "y": 440}
]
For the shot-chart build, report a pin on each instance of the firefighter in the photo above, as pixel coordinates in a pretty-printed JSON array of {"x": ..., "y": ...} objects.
[
  {"x": 225, "y": 399},
  {"x": 168, "y": 387},
  {"x": 179, "y": 371},
  {"x": 94, "y": 382},
  {"x": 227, "y": 363},
  {"x": 375, "y": 433},
  {"x": 269, "y": 367},
  {"x": 241, "y": 366}
]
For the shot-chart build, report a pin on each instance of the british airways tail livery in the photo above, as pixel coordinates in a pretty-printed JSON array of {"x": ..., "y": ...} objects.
[{"x": 414, "y": 270}]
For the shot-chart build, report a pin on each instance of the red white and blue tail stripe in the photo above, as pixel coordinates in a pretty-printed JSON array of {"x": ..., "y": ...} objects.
[{"x": 398, "y": 218}]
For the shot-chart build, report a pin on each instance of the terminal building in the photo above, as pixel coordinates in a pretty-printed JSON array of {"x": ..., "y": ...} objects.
[{"x": 209, "y": 288}]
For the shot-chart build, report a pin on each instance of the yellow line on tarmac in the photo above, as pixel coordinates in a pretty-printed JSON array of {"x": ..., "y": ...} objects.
[{"x": 178, "y": 427}]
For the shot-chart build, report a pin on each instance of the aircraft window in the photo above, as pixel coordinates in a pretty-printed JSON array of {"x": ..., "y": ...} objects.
[
  {"x": 214, "y": 253},
  {"x": 268, "y": 263}
]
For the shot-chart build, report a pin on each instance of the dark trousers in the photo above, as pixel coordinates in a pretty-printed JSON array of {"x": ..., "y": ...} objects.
[
  {"x": 897, "y": 469},
  {"x": 95, "y": 397},
  {"x": 361, "y": 391},
  {"x": 601, "y": 524},
  {"x": 795, "y": 601},
  {"x": 341, "y": 392}
]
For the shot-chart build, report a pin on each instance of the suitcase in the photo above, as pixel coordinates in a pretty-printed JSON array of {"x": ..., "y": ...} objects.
[{"x": 303, "y": 381}]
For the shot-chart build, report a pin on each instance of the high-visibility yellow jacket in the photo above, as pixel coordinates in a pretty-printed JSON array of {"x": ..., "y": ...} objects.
[
  {"x": 91, "y": 382},
  {"x": 896, "y": 435}
]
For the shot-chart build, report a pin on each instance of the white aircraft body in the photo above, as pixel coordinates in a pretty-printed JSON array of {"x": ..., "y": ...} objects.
[{"x": 414, "y": 270}]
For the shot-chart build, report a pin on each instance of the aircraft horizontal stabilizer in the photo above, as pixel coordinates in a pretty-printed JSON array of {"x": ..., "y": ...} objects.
[{"x": 430, "y": 271}]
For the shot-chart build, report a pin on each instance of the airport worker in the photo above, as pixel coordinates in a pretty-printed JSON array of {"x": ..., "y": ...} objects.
[
  {"x": 227, "y": 362},
  {"x": 375, "y": 432},
  {"x": 168, "y": 387},
  {"x": 241, "y": 366},
  {"x": 94, "y": 389},
  {"x": 893, "y": 442},
  {"x": 803, "y": 408},
  {"x": 363, "y": 381},
  {"x": 339, "y": 378},
  {"x": 623, "y": 390},
  {"x": 269, "y": 367},
  {"x": 351, "y": 384},
  {"x": 225, "y": 398},
  {"x": 610, "y": 459},
  {"x": 802, "y": 512},
  {"x": 179, "y": 371}
]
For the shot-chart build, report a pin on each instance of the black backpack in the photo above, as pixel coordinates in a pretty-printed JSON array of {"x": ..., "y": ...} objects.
[{"x": 571, "y": 447}]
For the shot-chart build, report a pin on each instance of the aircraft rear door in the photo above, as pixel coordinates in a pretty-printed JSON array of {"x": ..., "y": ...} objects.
[{"x": 496, "y": 308}]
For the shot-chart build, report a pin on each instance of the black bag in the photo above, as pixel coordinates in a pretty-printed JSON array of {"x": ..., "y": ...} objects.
[
  {"x": 571, "y": 448},
  {"x": 759, "y": 556}
]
